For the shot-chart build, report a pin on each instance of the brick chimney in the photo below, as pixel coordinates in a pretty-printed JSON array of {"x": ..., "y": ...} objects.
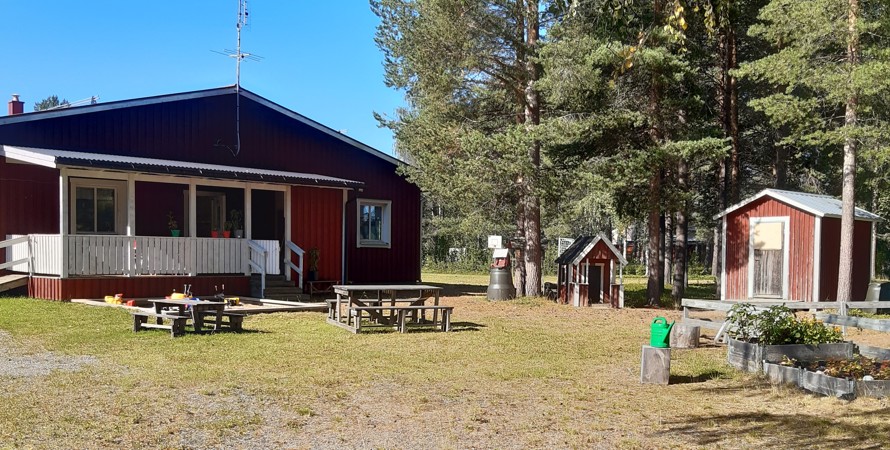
[{"x": 16, "y": 106}]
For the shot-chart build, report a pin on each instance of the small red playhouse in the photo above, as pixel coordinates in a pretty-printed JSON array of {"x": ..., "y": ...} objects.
[
  {"x": 591, "y": 271},
  {"x": 785, "y": 245}
]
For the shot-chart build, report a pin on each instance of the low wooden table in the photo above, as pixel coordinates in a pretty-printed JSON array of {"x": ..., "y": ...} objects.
[{"x": 197, "y": 309}]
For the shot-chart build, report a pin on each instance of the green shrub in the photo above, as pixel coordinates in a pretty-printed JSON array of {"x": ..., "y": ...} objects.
[{"x": 778, "y": 325}]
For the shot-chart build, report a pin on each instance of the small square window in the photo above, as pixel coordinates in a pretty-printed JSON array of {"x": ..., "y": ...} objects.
[{"x": 374, "y": 217}]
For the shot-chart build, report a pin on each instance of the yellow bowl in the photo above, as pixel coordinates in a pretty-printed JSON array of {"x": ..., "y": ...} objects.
[{"x": 177, "y": 296}]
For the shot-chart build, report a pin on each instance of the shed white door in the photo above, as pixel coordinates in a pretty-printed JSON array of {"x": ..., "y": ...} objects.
[{"x": 769, "y": 253}]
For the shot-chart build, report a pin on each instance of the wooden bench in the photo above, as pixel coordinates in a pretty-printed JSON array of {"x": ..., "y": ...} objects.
[
  {"x": 234, "y": 321},
  {"x": 176, "y": 325},
  {"x": 401, "y": 315}
]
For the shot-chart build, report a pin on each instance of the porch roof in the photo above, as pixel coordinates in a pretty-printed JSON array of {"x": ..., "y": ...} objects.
[{"x": 63, "y": 158}]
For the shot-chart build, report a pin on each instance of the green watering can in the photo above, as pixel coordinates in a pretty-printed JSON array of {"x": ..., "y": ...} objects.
[{"x": 661, "y": 333}]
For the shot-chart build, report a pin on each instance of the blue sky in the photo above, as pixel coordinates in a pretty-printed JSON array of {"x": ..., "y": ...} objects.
[{"x": 319, "y": 56}]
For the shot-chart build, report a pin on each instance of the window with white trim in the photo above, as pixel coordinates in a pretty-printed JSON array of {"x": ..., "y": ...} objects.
[
  {"x": 97, "y": 206},
  {"x": 374, "y": 223}
]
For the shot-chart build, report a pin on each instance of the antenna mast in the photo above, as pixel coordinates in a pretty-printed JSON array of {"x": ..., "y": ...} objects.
[
  {"x": 239, "y": 56},
  {"x": 242, "y": 21}
]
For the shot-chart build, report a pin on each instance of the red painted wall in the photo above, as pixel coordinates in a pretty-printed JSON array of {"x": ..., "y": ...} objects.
[
  {"x": 800, "y": 280},
  {"x": 135, "y": 287},
  {"x": 28, "y": 200},
  {"x": 316, "y": 222},
  {"x": 831, "y": 251}
]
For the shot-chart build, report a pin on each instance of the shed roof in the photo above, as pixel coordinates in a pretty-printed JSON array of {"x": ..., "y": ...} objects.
[
  {"x": 56, "y": 158},
  {"x": 818, "y": 205},
  {"x": 583, "y": 245}
]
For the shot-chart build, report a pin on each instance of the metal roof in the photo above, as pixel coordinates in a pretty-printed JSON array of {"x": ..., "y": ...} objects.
[
  {"x": 583, "y": 245},
  {"x": 818, "y": 205},
  {"x": 227, "y": 90},
  {"x": 63, "y": 158}
]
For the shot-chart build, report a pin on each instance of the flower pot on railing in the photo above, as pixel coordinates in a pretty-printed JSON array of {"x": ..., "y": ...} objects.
[
  {"x": 175, "y": 233},
  {"x": 227, "y": 234},
  {"x": 239, "y": 234},
  {"x": 214, "y": 234}
]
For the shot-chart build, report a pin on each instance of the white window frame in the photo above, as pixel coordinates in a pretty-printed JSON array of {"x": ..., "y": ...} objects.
[
  {"x": 120, "y": 203},
  {"x": 386, "y": 241},
  {"x": 786, "y": 251}
]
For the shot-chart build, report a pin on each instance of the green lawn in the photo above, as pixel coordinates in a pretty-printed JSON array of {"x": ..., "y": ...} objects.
[{"x": 525, "y": 374}]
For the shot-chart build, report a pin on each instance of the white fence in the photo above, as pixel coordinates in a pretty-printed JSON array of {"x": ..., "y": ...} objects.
[{"x": 139, "y": 255}]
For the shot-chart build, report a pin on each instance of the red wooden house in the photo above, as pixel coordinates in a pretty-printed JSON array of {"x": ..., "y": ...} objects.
[
  {"x": 85, "y": 194},
  {"x": 591, "y": 271},
  {"x": 786, "y": 245}
]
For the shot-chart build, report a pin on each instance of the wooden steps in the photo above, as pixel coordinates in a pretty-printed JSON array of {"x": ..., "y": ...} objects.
[{"x": 9, "y": 282}]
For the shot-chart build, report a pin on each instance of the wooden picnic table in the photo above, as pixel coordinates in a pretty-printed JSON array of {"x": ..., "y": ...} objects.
[
  {"x": 356, "y": 299},
  {"x": 197, "y": 309}
]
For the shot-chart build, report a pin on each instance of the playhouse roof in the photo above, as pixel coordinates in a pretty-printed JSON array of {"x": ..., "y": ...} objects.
[
  {"x": 818, "y": 205},
  {"x": 583, "y": 245}
]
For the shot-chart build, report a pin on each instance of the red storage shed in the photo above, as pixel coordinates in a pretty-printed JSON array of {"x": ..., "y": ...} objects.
[{"x": 785, "y": 245}]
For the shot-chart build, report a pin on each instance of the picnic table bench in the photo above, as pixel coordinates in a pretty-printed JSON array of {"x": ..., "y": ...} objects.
[
  {"x": 176, "y": 326},
  {"x": 180, "y": 311},
  {"x": 352, "y": 312}
]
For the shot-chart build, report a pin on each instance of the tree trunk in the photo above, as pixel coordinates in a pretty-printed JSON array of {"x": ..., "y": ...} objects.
[
  {"x": 680, "y": 247},
  {"x": 654, "y": 286},
  {"x": 845, "y": 265},
  {"x": 780, "y": 169},
  {"x": 668, "y": 248},
  {"x": 532, "y": 119},
  {"x": 733, "y": 116}
]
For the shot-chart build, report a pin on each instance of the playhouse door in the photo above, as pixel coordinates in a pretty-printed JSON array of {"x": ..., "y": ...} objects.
[
  {"x": 768, "y": 260},
  {"x": 594, "y": 283}
]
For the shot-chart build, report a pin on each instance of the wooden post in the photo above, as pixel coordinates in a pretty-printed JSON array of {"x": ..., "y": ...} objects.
[
  {"x": 64, "y": 201},
  {"x": 655, "y": 366},
  {"x": 685, "y": 336}
]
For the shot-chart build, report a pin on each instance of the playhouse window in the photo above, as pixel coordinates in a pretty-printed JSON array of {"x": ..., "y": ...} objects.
[{"x": 374, "y": 218}]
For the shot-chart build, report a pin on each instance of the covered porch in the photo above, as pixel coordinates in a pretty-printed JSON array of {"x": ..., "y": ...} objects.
[{"x": 135, "y": 217}]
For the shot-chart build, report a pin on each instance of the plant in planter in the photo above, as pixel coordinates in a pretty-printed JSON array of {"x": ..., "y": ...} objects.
[
  {"x": 312, "y": 263},
  {"x": 774, "y": 333},
  {"x": 227, "y": 229},
  {"x": 236, "y": 217},
  {"x": 214, "y": 233},
  {"x": 172, "y": 224}
]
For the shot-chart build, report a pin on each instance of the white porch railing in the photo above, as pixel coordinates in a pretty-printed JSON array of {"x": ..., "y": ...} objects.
[
  {"x": 18, "y": 254},
  {"x": 131, "y": 255},
  {"x": 290, "y": 247}
]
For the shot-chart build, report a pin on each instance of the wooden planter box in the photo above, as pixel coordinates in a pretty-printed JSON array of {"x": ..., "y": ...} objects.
[
  {"x": 873, "y": 389},
  {"x": 826, "y": 385},
  {"x": 779, "y": 374},
  {"x": 749, "y": 357}
]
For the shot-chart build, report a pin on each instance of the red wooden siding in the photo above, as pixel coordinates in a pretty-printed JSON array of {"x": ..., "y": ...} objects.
[
  {"x": 187, "y": 130},
  {"x": 800, "y": 252},
  {"x": 28, "y": 200},
  {"x": 135, "y": 287},
  {"x": 830, "y": 248},
  {"x": 317, "y": 222}
]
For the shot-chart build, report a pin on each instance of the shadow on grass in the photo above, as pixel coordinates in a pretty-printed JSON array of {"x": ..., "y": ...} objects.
[
  {"x": 459, "y": 290},
  {"x": 863, "y": 430},
  {"x": 700, "y": 378}
]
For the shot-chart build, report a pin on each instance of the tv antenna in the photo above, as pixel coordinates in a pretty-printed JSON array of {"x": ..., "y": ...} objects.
[{"x": 239, "y": 56}]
